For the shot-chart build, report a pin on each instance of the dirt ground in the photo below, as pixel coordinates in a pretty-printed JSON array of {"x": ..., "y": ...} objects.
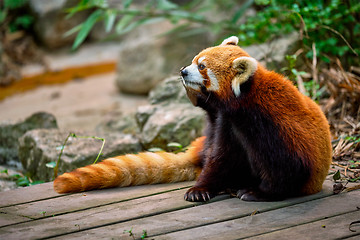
[{"x": 77, "y": 105}]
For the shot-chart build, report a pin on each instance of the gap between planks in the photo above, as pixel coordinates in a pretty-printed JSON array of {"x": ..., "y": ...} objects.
[
  {"x": 277, "y": 220},
  {"x": 68, "y": 203},
  {"x": 229, "y": 209},
  {"x": 337, "y": 226}
]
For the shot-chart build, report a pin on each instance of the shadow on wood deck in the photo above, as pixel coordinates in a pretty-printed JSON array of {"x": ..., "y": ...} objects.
[{"x": 38, "y": 212}]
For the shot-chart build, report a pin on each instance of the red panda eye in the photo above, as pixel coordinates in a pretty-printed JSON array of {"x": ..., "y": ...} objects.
[{"x": 201, "y": 66}]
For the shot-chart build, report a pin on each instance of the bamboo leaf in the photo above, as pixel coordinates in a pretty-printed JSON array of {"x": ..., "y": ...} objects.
[
  {"x": 155, "y": 149},
  {"x": 86, "y": 27},
  {"x": 175, "y": 144},
  {"x": 51, "y": 165},
  {"x": 127, "y": 3},
  {"x": 123, "y": 23},
  {"x": 73, "y": 30},
  {"x": 240, "y": 12},
  {"x": 110, "y": 17},
  {"x": 166, "y": 5}
]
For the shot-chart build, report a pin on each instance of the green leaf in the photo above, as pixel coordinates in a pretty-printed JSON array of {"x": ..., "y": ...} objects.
[
  {"x": 240, "y": 12},
  {"x": 3, "y": 14},
  {"x": 140, "y": 22},
  {"x": 354, "y": 179},
  {"x": 175, "y": 144},
  {"x": 123, "y": 23},
  {"x": 109, "y": 21},
  {"x": 98, "y": 3},
  {"x": 60, "y": 148},
  {"x": 23, "y": 181},
  {"x": 15, "y": 176},
  {"x": 144, "y": 235},
  {"x": 337, "y": 175},
  {"x": 86, "y": 27},
  {"x": 12, "y": 4},
  {"x": 24, "y": 21},
  {"x": 4, "y": 171},
  {"x": 127, "y": 3},
  {"x": 166, "y": 5},
  {"x": 50, "y": 164},
  {"x": 36, "y": 182},
  {"x": 155, "y": 149}
]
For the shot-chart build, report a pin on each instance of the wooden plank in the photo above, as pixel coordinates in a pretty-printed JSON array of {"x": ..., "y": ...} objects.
[
  {"x": 188, "y": 218},
  {"x": 356, "y": 237},
  {"x": 100, "y": 216},
  {"x": 270, "y": 221},
  {"x": 8, "y": 219},
  {"x": 27, "y": 194},
  {"x": 87, "y": 200},
  {"x": 334, "y": 227}
]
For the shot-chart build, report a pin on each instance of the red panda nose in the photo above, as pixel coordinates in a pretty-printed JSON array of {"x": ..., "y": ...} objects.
[{"x": 183, "y": 72}]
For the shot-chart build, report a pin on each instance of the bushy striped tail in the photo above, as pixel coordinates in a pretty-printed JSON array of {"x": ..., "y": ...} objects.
[{"x": 134, "y": 169}]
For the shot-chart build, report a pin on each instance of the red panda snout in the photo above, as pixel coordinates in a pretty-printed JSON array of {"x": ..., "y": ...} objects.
[{"x": 191, "y": 77}]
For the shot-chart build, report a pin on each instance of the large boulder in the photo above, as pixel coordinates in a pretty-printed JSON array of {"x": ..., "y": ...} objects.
[
  {"x": 170, "y": 117},
  {"x": 51, "y": 22},
  {"x": 174, "y": 122},
  {"x": 147, "y": 59},
  {"x": 273, "y": 53},
  {"x": 169, "y": 91},
  {"x": 10, "y": 132},
  {"x": 119, "y": 122},
  {"x": 40, "y": 147}
]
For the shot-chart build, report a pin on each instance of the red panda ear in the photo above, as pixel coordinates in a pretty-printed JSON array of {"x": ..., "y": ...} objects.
[
  {"x": 230, "y": 41},
  {"x": 246, "y": 67}
]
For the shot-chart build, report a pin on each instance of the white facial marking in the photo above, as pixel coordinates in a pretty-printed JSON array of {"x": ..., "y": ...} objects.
[
  {"x": 200, "y": 60},
  {"x": 194, "y": 78},
  {"x": 214, "y": 86}
]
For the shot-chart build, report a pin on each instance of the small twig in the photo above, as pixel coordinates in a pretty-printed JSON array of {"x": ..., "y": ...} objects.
[
  {"x": 314, "y": 71},
  {"x": 345, "y": 167},
  {"x": 349, "y": 189},
  {"x": 75, "y": 136},
  {"x": 300, "y": 84},
  {"x": 97, "y": 138},
  {"x": 302, "y": 26},
  {"x": 342, "y": 37},
  {"x": 62, "y": 149}
]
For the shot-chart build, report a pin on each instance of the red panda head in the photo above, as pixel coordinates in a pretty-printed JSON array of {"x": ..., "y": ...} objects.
[{"x": 220, "y": 70}]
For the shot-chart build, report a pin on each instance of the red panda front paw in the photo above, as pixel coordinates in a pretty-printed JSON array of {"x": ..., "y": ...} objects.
[
  {"x": 198, "y": 194},
  {"x": 249, "y": 195}
]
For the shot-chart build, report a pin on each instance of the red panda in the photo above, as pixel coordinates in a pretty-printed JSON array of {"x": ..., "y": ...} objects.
[{"x": 264, "y": 139}]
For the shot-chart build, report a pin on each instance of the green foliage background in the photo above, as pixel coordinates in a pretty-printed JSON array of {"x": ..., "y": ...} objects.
[{"x": 332, "y": 25}]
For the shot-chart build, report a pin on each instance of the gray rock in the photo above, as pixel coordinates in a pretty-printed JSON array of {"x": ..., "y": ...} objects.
[
  {"x": 6, "y": 178},
  {"x": 170, "y": 117},
  {"x": 143, "y": 114},
  {"x": 117, "y": 122},
  {"x": 175, "y": 122},
  {"x": 272, "y": 54},
  {"x": 7, "y": 185},
  {"x": 9, "y": 134},
  {"x": 169, "y": 90},
  {"x": 145, "y": 62},
  {"x": 51, "y": 22},
  {"x": 39, "y": 147}
]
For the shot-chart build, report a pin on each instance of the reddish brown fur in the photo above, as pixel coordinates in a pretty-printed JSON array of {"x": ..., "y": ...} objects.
[
  {"x": 298, "y": 121},
  {"x": 124, "y": 171},
  {"x": 270, "y": 116}
]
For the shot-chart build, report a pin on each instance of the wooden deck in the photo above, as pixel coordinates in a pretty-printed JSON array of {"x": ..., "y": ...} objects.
[{"x": 38, "y": 212}]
